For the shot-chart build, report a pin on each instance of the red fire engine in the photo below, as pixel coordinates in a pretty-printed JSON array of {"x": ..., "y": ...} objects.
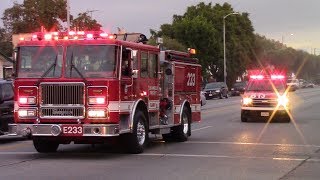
[
  {"x": 83, "y": 87},
  {"x": 266, "y": 97}
]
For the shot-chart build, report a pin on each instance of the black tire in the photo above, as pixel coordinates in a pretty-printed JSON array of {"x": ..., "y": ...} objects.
[
  {"x": 243, "y": 118},
  {"x": 286, "y": 119},
  {"x": 44, "y": 146},
  {"x": 138, "y": 139},
  {"x": 183, "y": 131}
]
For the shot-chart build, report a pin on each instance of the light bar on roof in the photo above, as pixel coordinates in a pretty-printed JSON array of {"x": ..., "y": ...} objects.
[
  {"x": 277, "y": 76},
  {"x": 259, "y": 77}
]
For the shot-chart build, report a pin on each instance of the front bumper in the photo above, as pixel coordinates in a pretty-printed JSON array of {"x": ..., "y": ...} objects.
[
  {"x": 264, "y": 112},
  {"x": 89, "y": 130}
]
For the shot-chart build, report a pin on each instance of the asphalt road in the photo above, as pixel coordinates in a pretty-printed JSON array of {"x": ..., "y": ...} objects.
[{"x": 221, "y": 147}]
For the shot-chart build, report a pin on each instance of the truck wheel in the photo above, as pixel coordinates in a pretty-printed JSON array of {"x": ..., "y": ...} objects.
[
  {"x": 43, "y": 146},
  {"x": 138, "y": 139},
  {"x": 243, "y": 118},
  {"x": 286, "y": 119},
  {"x": 183, "y": 131}
]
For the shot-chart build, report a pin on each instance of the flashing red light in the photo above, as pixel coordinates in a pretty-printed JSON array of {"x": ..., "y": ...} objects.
[
  {"x": 75, "y": 38},
  {"x": 55, "y": 33},
  {"x": 34, "y": 36},
  {"x": 80, "y": 33},
  {"x": 259, "y": 77},
  {"x": 89, "y": 36},
  {"x": 71, "y": 33},
  {"x": 48, "y": 36},
  {"x": 56, "y": 38},
  {"x": 21, "y": 38},
  {"x": 111, "y": 37},
  {"x": 104, "y": 35},
  {"x": 277, "y": 76},
  {"x": 66, "y": 38}
]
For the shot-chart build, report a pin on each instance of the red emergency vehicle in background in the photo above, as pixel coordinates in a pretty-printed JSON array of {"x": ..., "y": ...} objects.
[
  {"x": 266, "y": 97},
  {"x": 83, "y": 87}
]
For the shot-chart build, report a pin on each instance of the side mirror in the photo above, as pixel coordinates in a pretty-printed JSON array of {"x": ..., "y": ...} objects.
[{"x": 135, "y": 73}]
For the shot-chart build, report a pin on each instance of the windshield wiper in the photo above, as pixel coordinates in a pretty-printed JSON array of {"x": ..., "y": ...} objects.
[
  {"x": 48, "y": 70},
  {"x": 77, "y": 70}
]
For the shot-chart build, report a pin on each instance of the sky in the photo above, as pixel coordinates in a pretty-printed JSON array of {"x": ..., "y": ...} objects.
[{"x": 296, "y": 22}]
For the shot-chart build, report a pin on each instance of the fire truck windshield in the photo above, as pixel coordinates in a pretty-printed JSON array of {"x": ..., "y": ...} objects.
[
  {"x": 91, "y": 61},
  {"x": 37, "y": 61},
  {"x": 266, "y": 85}
]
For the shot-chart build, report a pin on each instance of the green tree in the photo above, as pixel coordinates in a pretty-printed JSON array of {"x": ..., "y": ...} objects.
[
  {"x": 5, "y": 43},
  {"x": 31, "y": 15},
  {"x": 201, "y": 27},
  {"x": 84, "y": 22}
]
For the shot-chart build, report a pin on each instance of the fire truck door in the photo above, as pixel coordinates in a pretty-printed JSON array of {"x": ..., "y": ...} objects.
[
  {"x": 126, "y": 75},
  {"x": 167, "y": 93}
]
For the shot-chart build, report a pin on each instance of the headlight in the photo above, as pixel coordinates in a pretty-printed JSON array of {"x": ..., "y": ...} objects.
[
  {"x": 27, "y": 113},
  {"x": 283, "y": 100},
  {"x": 232, "y": 89},
  {"x": 97, "y": 100},
  {"x": 27, "y": 100},
  {"x": 217, "y": 91},
  {"x": 96, "y": 113},
  {"x": 246, "y": 101}
]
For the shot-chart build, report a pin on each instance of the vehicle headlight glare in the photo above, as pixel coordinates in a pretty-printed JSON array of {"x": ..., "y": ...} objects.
[
  {"x": 246, "y": 101},
  {"x": 283, "y": 100}
]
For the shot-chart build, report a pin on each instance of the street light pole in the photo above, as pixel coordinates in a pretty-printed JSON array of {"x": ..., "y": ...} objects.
[
  {"x": 224, "y": 46},
  {"x": 68, "y": 15}
]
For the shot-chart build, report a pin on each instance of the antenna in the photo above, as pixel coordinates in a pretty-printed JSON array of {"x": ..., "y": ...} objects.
[{"x": 91, "y": 11}]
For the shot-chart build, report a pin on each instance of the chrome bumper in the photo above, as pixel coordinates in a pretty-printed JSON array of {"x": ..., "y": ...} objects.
[{"x": 89, "y": 130}]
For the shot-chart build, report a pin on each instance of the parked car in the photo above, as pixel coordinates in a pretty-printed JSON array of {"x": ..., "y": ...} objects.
[
  {"x": 216, "y": 90},
  {"x": 238, "y": 88},
  {"x": 293, "y": 84},
  {"x": 6, "y": 105},
  {"x": 307, "y": 84},
  {"x": 203, "y": 98}
]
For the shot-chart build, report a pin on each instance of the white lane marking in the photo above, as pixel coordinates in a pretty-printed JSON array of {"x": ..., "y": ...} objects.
[
  {"x": 201, "y": 128},
  {"x": 224, "y": 156},
  {"x": 184, "y": 155},
  {"x": 248, "y": 143}
]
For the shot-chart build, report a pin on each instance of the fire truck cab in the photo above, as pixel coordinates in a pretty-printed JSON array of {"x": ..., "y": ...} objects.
[
  {"x": 84, "y": 87},
  {"x": 265, "y": 98}
]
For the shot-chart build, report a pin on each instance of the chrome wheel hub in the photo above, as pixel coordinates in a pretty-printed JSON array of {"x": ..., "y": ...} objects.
[{"x": 141, "y": 133}]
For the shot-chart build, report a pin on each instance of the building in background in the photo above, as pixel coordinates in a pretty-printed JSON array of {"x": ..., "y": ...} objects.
[{"x": 6, "y": 67}]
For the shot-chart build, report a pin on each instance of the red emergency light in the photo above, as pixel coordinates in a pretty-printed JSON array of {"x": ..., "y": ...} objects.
[
  {"x": 259, "y": 77},
  {"x": 277, "y": 77},
  {"x": 72, "y": 35}
]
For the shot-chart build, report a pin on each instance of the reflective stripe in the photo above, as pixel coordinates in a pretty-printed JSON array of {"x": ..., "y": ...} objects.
[
  {"x": 195, "y": 107},
  {"x": 123, "y": 106}
]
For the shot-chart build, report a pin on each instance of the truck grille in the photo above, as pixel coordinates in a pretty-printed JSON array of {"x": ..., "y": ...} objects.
[
  {"x": 264, "y": 102},
  {"x": 65, "y": 101},
  {"x": 62, "y": 94},
  {"x": 62, "y": 112}
]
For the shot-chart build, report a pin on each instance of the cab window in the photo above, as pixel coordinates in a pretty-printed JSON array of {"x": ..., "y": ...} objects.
[
  {"x": 153, "y": 65},
  {"x": 144, "y": 65}
]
